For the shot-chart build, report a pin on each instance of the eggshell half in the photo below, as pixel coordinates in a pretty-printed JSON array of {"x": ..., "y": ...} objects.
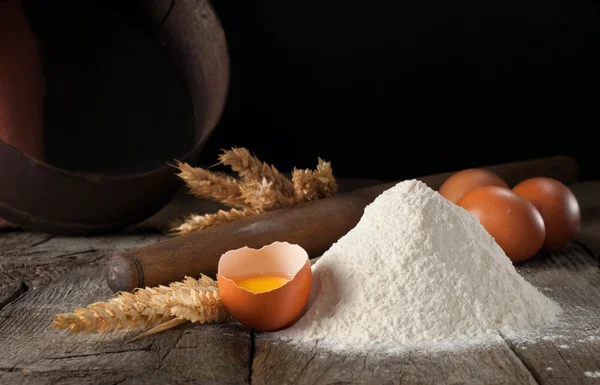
[{"x": 275, "y": 309}]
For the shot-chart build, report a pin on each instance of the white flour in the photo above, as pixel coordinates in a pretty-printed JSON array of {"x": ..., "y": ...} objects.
[{"x": 416, "y": 270}]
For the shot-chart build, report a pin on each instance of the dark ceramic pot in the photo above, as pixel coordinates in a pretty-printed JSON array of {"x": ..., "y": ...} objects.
[
  {"x": 131, "y": 128},
  {"x": 21, "y": 82}
]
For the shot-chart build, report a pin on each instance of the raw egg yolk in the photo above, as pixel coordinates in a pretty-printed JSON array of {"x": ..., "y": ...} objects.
[{"x": 262, "y": 283}]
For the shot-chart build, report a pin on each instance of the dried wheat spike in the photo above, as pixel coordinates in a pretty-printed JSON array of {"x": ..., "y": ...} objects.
[
  {"x": 192, "y": 305},
  {"x": 314, "y": 184},
  {"x": 211, "y": 185},
  {"x": 250, "y": 168},
  {"x": 197, "y": 301},
  {"x": 263, "y": 196},
  {"x": 125, "y": 311},
  {"x": 199, "y": 306},
  {"x": 141, "y": 309},
  {"x": 196, "y": 222}
]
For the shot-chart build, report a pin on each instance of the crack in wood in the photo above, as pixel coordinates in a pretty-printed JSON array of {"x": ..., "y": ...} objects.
[
  {"x": 515, "y": 353},
  {"x": 564, "y": 360},
  {"x": 312, "y": 357},
  {"x": 50, "y": 237},
  {"x": 163, "y": 358},
  {"x": 251, "y": 355},
  {"x": 142, "y": 349}
]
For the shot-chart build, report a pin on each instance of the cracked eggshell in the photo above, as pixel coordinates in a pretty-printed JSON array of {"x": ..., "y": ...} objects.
[{"x": 272, "y": 310}]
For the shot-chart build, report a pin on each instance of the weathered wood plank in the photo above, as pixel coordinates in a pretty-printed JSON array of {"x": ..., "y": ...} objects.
[
  {"x": 10, "y": 289},
  {"x": 33, "y": 349},
  {"x": 564, "y": 353},
  {"x": 14, "y": 243},
  {"x": 64, "y": 273},
  {"x": 276, "y": 362},
  {"x": 29, "y": 260}
]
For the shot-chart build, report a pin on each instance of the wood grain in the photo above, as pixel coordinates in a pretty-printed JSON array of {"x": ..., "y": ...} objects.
[
  {"x": 281, "y": 363},
  {"x": 64, "y": 273},
  {"x": 29, "y": 260},
  {"x": 563, "y": 354}
]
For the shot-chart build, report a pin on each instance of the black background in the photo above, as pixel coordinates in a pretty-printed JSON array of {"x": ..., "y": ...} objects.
[
  {"x": 390, "y": 90},
  {"x": 382, "y": 89}
]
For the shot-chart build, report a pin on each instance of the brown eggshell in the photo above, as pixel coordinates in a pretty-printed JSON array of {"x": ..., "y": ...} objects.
[
  {"x": 558, "y": 206},
  {"x": 513, "y": 221},
  {"x": 275, "y": 309},
  {"x": 467, "y": 180}
]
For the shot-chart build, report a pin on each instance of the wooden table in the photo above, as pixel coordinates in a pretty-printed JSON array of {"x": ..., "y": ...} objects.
[{"x": 41, "y": 275}]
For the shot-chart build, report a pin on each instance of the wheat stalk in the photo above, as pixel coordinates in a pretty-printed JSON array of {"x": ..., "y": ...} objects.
[
  {"x": 262, "y": 188},
  {"x": 250, "y": 168},
  {"x": 141, "y": 309},
  {"x": 160, "y": 328},
  {"x": 195, "y": 222},
  {"x": 211, "y": 185}
]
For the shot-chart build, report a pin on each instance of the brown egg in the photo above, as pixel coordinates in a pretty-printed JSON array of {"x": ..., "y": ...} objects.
[
  {"x": 513, "y": 221},
  {"x": 558, "y": 206},
  {"x": 265, "y": 289},
  {"x": 467, "y": 180}
]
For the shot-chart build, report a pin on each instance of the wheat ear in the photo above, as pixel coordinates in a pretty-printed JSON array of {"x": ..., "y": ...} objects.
[
  {"x": 263, "y": 196},
  {"x": 250, "y": 168},
  {"x": 191, "y": 305},
  {"x": 314, "y": 184},
  {"x": 211, "y": 185},
  {"x": 141, "y": 309}
]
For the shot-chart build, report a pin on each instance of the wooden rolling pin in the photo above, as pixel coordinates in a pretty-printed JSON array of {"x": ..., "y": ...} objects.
[{"x": 313, "y": 225}]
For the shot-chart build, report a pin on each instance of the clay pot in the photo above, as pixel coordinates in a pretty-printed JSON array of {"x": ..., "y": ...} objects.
[
  {"x": 21, "y": 82},
  {"x": 123, "y": 182}
]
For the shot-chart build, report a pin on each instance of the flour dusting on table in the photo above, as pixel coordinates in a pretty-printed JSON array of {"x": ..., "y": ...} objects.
[{"x": 416, "y": 270}]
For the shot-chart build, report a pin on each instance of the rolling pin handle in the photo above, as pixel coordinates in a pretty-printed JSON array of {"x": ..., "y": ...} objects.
[{"x": 124, "y": 272}]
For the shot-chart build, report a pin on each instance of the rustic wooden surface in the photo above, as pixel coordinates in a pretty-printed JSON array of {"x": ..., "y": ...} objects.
[{"x": 41, "y": 275}]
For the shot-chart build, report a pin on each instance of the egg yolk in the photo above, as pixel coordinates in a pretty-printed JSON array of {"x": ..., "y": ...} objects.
[{"x": 262, "y": 283}]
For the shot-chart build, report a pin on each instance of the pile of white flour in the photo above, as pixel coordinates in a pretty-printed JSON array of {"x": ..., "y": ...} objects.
[{"x": 416, "y": 269}]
